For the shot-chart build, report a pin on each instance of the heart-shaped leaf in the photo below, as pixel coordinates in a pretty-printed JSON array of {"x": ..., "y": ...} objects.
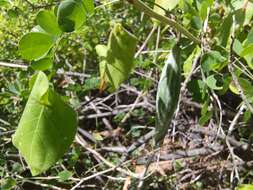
[{"x": 46, "y": 129}]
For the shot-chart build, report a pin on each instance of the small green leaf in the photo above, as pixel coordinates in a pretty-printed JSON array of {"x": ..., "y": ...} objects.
[
  {"x": 162, "y": 5},
  {"x": 213, "y": 61},
  {"x": 46, "y": 129},
  {"x": 225, "y": 30},
  {"x": 205, "y": 118},
  {"x": 212, "y": 83},
  {"x": 165, "y": 4},
  {"x": 42, "y": 64},
  {"x": 7, "y": 184},
  {"x": 71, "y": 15},
  {"x": 168, "y": 93},
  {"x": 48, "y": 21},
  {"x": 245, "y": 85},
  {"x": 12, "y": 13},
  {"x": 35, "y": 45},
  {"x": 237, "y": 47},
  {"x": 187, "y": 67},
  {"x": 204, "y": 7},
  {"x": 65, "y": 175},
  {"x": 117, "y": 58}
]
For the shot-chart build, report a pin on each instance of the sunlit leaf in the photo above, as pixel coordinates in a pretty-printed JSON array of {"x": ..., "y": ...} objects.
[
  {"x": 46, "y": 129},
  {"x": 35, "y": 44},
  {"x": 48, "y": 21}
]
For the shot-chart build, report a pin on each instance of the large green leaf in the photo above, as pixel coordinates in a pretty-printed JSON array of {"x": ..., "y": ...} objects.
[
  {"x": 48, "y": 21},
  {"x": 46, "y": 129},
  {"x": 245, "y": 187},
  {"x": 71, "y": 14},
  {"x": 35, "y": 44},
  {"x": 168, "y": 93},
  {"x": 165, "y": 4},
  {"x": 117, "y": 57}
]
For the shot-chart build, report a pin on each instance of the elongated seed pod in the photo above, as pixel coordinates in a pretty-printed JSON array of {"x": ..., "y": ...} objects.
[{"x": 168, "y": 93}]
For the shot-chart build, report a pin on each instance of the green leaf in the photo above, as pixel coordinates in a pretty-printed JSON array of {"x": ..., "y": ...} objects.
[
  {"x": 212, "y": 83},
  {"x": 165, "y": 4},
  {"x": 7, "y": 184},
  {"x": 248, "y": 13},
  {"x": 42, "y": 64},
  {"x": 65, "y": 175},
  {"x": 249, "y": 39},
  {"x": 245, "y": 85},
  {"x": 247, "y": 50},
  {"x": 117, "y": 58},
  {"x": 204, "y": 7},
  {"x": 187, "y": 67},
  {"x": 89, "y": 6},
  {"x": 239, "y": 16},
  {"x": 205, "y": 118},
  {"x": 237, "y": 47},
  {"x": 35, "y": 45},
  {"x": 162, "y": 5},
  {"x": 168, "y": 93},
  {"x": 48, "y": 21},
  {"x": 225, "y": 30},
  {"x": 71, "y": 15},
  {"x": 245, "y": 187},
  {"x": 213, "y": 61},
  {"x": 46, "y": 129}
]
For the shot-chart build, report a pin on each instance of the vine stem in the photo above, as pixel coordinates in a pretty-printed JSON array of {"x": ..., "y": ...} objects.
[{"x": 144, "y": 8}]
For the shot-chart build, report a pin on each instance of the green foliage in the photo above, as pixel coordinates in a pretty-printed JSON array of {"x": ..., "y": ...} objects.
[
  {"x": 48, "y": 22},
  {"x": 71, "y": 14},
  {"x": 35, "y": 45},
  {"x": 7, "y": 184},
  {"x": 46, "y": 128},
  {"x": 67, "y": 36}
]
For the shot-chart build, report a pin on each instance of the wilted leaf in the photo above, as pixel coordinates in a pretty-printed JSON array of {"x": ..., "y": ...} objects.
[{"x": 117, "y": 58}]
